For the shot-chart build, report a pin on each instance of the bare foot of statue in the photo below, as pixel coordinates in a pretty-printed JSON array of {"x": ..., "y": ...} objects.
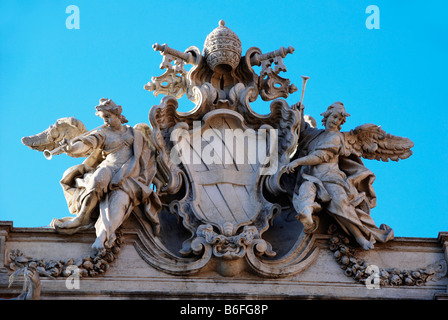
[
  {"x": 307, "y": 220},
  {"x": 365, "y": 244},
  {"x": 98, "y": 245},
  {"x": 76, "y": 222},
  {"x": 70, "y": 223}
]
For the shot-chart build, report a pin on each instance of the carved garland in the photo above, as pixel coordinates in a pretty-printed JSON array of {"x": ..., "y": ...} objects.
[
  {"x": 88, "y": 266},
  {"x": 365, "y": 273}
]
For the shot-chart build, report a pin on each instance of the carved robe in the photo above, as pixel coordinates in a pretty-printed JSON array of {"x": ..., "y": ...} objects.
[
  {"x": 119, "y": 169},
  {"x": 341, "y": 183}
]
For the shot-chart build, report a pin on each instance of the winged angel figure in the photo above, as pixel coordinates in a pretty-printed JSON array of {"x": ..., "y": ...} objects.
[
  {"x": 115, "y": 177},
  {"x": 332, "y": 174}
]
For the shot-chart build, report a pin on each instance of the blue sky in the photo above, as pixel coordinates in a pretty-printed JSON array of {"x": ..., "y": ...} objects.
[{"x": 394, "y": 76}]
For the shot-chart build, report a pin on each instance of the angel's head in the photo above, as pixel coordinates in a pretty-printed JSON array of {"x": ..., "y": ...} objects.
[
  {"x": 334, "y": 117},
  {"x": 110, "y": 112}
]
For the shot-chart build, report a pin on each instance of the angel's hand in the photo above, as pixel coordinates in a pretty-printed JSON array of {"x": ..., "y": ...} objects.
[
  {"x": 68, "y": 147},
  {"x": 298, "y": 106},
  {"x": 64, "y": 145},
  {"x": 33, "y": 275},
  {"x": 290, "y": 168},
  {"x": 63, "y": 141}
]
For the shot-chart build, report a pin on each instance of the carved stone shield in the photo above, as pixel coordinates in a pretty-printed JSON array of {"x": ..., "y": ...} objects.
[
  {"x": 220, "y": 161},
  {"x": 225, "y": 160},
  {"x": 218, "y": 164}
]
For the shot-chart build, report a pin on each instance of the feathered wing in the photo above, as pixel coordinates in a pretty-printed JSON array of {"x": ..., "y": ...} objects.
[
  {"x": 146, "y": 130},
  {"x": 371, "y": 142},
  {"x": 49, "y": 139}
]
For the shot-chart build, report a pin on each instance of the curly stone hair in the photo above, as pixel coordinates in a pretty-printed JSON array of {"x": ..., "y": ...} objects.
[
  {"x": 107, "y": 105},
  {"x": 337, "y": 107}
]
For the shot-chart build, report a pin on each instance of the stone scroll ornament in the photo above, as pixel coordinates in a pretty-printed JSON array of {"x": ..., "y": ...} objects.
[{"x": 225, "y": 171}]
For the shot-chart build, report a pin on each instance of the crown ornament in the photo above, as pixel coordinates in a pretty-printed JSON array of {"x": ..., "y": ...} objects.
[{"x": 222, "y": 49}]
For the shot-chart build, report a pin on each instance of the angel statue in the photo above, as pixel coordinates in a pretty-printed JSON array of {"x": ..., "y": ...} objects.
[
  {"x": 332, "y": 174},
  {"x": 115, "y": 178}
]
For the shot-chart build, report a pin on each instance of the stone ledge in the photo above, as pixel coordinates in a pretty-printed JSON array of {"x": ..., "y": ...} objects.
[{"x": 130, "y": 277}]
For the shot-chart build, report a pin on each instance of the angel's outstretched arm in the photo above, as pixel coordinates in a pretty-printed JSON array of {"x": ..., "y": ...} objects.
[
  {"x": 309, "y": 160},
  {"x": 85, "y": 145},
  {"x": 78, "y": 148},
  {"x": 314, "y": 158}
]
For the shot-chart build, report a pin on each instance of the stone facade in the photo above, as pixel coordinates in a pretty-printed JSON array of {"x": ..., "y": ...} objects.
[
  {"x": 220, "y": 201},
  {"x": 130, "y": 277}
]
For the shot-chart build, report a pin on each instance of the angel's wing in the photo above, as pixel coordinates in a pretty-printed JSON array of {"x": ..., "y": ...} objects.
[
  {"x": 49, "y": 139},
  {"x": 310, "y": 120},
  {"x": 146, "y": 130},
  {"x": 371, "y": 142}
]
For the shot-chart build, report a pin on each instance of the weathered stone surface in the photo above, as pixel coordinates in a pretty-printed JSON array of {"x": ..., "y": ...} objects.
[
  {"x": 220, "y": 201},
  {"x": 129, "y": 276}
]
